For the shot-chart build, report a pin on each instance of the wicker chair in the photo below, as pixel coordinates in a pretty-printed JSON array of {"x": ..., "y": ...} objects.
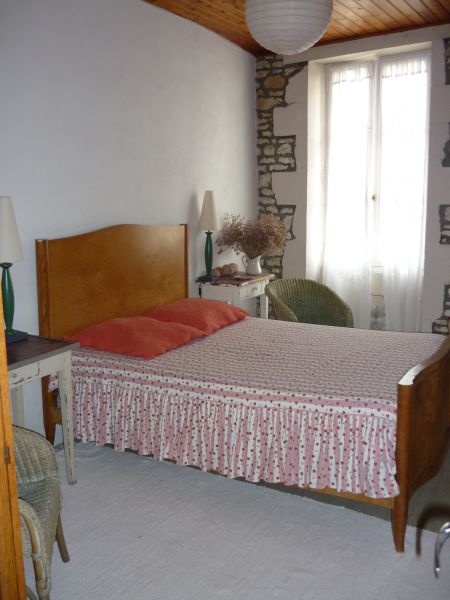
[
  {"x": 307, "y": 301},
  {"x": 39, "y": 505}
]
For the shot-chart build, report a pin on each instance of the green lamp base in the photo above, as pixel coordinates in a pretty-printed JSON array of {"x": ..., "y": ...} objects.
[
  {"x": 208, "y": 253},
  {"x": 11, "y": 335}
]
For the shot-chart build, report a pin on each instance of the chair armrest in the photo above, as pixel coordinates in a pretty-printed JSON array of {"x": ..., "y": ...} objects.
[
  {"x": 31, "y": 528},
  {"x": 34, "y": 455},
  {"x": 349, "y": 317},
  {"x": 35, "y": 542},
  {"x": 282, "y": 312}
]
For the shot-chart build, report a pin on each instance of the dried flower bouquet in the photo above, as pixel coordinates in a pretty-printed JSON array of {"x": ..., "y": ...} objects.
[{"x": 265, "y": 236}]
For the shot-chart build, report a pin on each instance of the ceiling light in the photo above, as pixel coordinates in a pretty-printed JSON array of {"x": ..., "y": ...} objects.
[{"x": 287, "y": 26}]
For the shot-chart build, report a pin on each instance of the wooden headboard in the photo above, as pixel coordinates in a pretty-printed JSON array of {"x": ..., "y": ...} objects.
[{"x": 117, "y": 271}]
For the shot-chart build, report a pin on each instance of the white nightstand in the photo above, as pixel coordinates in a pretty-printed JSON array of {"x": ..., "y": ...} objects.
[{"x": 237, "y": 289}]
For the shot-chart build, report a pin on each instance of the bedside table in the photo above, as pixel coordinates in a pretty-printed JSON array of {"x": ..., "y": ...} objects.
[
  {"x": 38, "y": 357},
  {"x": 236, "y": 289}
]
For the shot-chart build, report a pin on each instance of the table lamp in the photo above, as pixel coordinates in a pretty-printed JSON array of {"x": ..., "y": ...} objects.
[
  {"x": 10, "y": 252},
  {"x": 208, "y": 224}
]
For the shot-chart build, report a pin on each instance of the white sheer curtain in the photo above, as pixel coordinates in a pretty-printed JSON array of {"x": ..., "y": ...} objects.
[
  {"x": 377, "y": 139},
  {"x": 346, "y": 263},
  {"x": 402, "y": 186}
]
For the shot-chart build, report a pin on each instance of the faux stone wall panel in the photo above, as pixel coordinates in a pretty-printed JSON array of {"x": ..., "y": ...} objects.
[
  {"x": 444, "y": 222},
  {"x": 437, "y": 258},
  {"x": 440, "y": 325},
  {"x": 447, "y": 60},
  {"x": 446, "y": 149},
  {"x": 276, "y": 154}
]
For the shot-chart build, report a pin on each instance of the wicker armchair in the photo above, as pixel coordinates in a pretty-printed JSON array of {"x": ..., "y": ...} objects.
[
  {"x": 307, "y": 301},
  {"x": 39, "y": 505}
]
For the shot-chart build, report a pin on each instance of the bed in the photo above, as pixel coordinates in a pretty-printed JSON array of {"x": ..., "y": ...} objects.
[{"x": 396, "y": 416}]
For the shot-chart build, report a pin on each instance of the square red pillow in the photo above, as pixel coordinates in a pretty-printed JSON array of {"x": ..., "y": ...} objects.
[
  {"x": 136, "y": 336},
  {"x": 206, "y": 315}
]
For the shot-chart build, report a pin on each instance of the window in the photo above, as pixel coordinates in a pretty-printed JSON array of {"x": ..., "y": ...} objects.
[{"x": 375, "y": 184}]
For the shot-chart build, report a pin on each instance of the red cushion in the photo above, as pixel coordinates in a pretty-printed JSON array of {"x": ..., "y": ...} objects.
[
  {"x": 206, "y": 315},
  {"x": 136, "y": 336}
]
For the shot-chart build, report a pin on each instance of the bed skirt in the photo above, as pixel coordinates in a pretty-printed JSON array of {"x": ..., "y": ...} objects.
[{"x": 296, "y": 445}]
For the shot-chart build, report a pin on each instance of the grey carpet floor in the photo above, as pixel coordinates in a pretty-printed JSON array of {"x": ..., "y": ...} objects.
[
  {"x": 138, "y": 529},
  {"x": 428, "y": 509}
]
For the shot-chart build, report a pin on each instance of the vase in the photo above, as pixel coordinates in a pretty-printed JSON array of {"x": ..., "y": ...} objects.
[{"x": 252, "y": 265}]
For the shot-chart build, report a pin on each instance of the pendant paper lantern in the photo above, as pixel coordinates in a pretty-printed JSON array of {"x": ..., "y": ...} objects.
[{"x": 287, "y": 26}]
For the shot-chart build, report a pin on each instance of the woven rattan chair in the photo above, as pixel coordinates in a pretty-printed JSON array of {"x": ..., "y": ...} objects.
[
  {"x": 307, "y": 301},
  {"x": 39, "y": 505}
]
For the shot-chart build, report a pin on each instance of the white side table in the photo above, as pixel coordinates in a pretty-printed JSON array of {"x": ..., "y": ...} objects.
[
  {"x": 37, "y": 357},
  {"x": 237, "y": 289}
]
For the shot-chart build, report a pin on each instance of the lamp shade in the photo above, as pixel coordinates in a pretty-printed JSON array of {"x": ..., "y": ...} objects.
[
  {"x": 208, "y": 216},
  {"x": 287, "y": 26},
  {"x": 10, "y": 246}
]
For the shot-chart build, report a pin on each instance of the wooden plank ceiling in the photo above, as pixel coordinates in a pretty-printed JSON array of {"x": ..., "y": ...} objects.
[{"x": 350, "y": 18}]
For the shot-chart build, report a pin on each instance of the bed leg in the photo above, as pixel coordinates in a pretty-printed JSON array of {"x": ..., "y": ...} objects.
[{"x": 399, "y": 519}]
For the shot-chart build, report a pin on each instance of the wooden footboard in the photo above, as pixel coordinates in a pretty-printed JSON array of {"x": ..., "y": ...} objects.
[
  {"x": 423, "y": 429},
  {"x": 423, "y": 433}
]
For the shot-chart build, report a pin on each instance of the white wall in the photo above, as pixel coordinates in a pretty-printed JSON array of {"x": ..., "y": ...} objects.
[{"x": 114, "y": 111}]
